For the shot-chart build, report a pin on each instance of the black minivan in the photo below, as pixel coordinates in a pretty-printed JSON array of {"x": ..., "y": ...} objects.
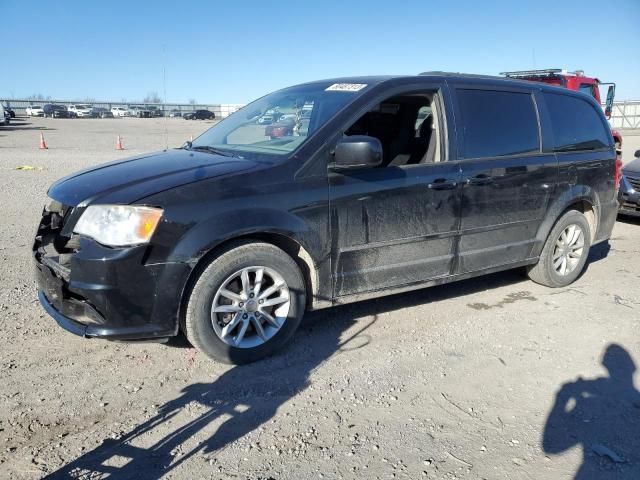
[{"x": 392, "y": 184}]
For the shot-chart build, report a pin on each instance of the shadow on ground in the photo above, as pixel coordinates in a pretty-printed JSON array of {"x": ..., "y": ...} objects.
[
  {"x": 602, "y": 417},
  {"x": 18, "y": 125},
  {"x": 248, "y": 395},
  {"x": 628, "y": 219}
]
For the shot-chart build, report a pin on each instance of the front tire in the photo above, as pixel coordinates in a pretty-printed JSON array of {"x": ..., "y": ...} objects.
[
  {"x": 245, "y": 304},
  {"x": 565, "y": 252}
]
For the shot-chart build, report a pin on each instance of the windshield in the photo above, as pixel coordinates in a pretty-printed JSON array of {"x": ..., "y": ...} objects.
[{"x": 280, "y": 122}]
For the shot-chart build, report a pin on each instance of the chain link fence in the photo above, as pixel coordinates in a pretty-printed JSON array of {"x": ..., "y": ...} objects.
[{"x": 625, "y": 114}]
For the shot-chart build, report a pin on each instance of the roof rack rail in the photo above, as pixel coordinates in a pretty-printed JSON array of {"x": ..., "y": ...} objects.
[{"x": 530, "y": 73}]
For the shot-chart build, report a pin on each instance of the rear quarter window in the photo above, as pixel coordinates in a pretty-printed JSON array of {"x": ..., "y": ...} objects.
[
  {"x": 576, "y": 124},
  {"x": 497, "y": 123}
]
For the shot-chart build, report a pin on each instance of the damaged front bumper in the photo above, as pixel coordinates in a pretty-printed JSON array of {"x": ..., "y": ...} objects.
[
  {"x": 96, "y": 291},
  {"x": 629, "y": 195}
]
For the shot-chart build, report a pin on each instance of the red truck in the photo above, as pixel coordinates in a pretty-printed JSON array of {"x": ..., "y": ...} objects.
[{"x": 574, "y": 81}]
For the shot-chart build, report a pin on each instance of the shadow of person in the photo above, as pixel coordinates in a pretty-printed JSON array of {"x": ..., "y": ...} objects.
[
  {"x": 603, "y": 416},
  {"x": 234, "y": 404}
]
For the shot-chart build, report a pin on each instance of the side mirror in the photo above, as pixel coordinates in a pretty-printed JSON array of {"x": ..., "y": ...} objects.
[
  {"x": 357, "y": 151},
  {"x": 609, "y": 105},
  {"x": 637, "y": 154}
]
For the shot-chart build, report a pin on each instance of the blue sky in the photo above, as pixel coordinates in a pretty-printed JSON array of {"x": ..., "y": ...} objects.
[{"x": 234, "y": 51}]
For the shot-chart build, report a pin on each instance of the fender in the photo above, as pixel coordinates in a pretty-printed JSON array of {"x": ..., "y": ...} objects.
[
  {"x": 208, "y": 235},
  {"x": 214, "y": 231},
  {"x": 572, "y": 195}
]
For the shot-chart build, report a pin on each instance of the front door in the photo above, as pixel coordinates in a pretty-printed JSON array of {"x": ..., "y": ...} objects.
[{"x": 395, "y": 225}]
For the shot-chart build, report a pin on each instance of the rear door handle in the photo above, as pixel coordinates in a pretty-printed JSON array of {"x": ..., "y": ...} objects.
[
  {"x": 442, "y": 184},
  {"x": 479, "y": 180}
]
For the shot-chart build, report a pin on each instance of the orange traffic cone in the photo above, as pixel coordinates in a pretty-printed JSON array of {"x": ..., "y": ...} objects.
[
  {"x": 43, "y": 145},
  {"x": 119, "y": 145}
]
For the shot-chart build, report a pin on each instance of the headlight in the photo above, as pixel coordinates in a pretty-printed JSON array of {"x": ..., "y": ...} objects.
[{"x": 119, "y": 225}]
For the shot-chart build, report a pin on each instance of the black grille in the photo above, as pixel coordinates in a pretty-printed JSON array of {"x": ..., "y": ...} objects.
[
  {"x": 635, "y": 182},
  {"x": 630, "y": 206}
]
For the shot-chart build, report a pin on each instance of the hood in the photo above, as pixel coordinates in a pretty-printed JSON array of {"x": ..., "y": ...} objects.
[
  {"x": 632, "y": 168},
  {"x": 126, "y": 181}
]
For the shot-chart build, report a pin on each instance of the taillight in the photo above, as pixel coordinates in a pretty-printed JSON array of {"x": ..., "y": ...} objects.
[{"x": 618, "y": 175}]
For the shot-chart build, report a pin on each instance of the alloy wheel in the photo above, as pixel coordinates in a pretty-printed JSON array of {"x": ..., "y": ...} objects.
[
  {"x": 568, "y": 250},
  {"x": 250, "y": 307}
]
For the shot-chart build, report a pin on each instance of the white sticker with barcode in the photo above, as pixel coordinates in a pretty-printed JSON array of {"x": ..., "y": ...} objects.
[{"x": 346, "y": 87}]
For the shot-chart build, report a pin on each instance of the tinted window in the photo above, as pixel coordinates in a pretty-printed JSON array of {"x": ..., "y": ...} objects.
[
  {"x": 586, "y": 88},
  {"x": 576, "y": 124},
  {"x": 497, "y": 123}
]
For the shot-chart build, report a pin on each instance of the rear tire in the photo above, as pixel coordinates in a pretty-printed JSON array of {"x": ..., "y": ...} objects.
[
  {"x": 565, "y": 252},
  {"x": 219, "y": 287}
]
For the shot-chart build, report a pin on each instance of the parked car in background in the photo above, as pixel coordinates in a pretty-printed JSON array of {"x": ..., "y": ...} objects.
[
  {"x": 629, "y": 195},
  {"x": 269, "y": 117},
  {"x": 34, "y": 111},
  {"x": 101, "y": 112},
  {"x": 5, "y": 116},
  {"x": 81, "y": 110},
  {"x": 120, "y": 111},
  {"x": 233, "y": 237},
  {"x": 7, "y": 108},
  {"x": 139, "y": 111},
  {"x": 52, "y": 110},
  {"x": 282, "y": 128},
  {"x": 155, "y": 111},
  {"x": 289, "y": 124},
  {"x": 175, "y": 113},
  {"x": 199, "y": 115}
]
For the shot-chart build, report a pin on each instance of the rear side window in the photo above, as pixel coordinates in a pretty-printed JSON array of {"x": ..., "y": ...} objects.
[
  {"x": 498, "y": 123},
  {"x": 576, "y": 124}
]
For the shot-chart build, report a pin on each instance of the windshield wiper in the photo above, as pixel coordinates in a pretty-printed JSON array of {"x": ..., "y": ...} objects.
[{"x": 206, "y": 148}]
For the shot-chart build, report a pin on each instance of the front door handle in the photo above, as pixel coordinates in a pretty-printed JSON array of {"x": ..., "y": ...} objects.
[
  {"x": 479, "y": 180},
  {"x": 442, "y": 184}
]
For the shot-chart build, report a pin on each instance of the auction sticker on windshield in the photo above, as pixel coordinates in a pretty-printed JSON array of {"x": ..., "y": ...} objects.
[{"x": 346, "y": 87}]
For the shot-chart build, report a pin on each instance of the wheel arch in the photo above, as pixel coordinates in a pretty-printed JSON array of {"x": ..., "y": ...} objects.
[
  {"x": 580, "y": 198},
  {"x": 279, "y": 239}
]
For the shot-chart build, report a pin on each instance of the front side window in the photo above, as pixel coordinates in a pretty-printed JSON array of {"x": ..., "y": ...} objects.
[
  {"x": 407, "y": 127},
  {"x": 576, "y": 124},
  {"x": 497, "y": 123},
  {"x": 280, "y": 122}
]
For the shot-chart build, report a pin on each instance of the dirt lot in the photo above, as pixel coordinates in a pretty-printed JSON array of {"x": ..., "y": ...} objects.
[{"x": 495, "y": 377}]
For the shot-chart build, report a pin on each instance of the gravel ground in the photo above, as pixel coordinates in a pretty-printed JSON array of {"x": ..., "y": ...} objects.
[{"x": 495, "y": 377}]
